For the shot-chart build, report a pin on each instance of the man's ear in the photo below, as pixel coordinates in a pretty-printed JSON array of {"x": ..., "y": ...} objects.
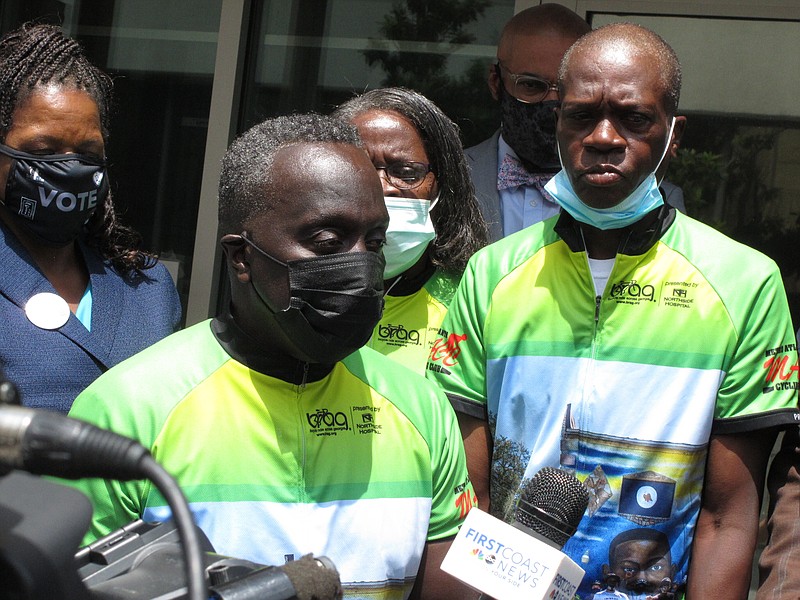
[
  {"x": 236, "y": 254},
  {"x": 677, "y": 135},
  {"x": 494, "y": 81}
]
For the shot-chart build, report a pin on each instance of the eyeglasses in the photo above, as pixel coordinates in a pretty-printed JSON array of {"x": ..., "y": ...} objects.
[
  {"x": 528, "y": 88},
  {"x": 405, "y": 175}
]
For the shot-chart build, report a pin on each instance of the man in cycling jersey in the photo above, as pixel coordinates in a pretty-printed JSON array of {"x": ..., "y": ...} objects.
[
  {"x": 287, "y": 436},
  {"x": 623, "y": 341}
]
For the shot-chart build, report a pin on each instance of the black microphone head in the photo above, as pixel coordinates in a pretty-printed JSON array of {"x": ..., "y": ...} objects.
[
  {"x": 314, "y": 578},
  {"x": 552, "y": 504}
]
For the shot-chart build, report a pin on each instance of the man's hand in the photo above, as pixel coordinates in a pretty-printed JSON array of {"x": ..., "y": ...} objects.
[{"x": 433, "y": 583}]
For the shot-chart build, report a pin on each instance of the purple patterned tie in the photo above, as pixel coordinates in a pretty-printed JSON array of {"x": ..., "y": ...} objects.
[{"x": 512, "y": 173}]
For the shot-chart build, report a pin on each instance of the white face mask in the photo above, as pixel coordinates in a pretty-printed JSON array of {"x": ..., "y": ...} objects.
[{"x": 409, "y": 233}]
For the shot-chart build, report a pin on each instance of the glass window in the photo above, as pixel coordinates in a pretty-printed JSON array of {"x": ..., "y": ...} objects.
[
  {"x": 312, "y": 55},
  {"x": 740, "y": 155},
  {"x": 161, "y": 56}
]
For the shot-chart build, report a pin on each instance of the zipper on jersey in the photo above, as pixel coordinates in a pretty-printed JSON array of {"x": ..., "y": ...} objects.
[
  {"x": 301, "y": 491},
  {"x": 597, "y": 300},
  {"x": 305, "y": 377}
]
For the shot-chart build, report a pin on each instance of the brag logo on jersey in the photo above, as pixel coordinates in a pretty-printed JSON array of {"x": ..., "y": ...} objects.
[
  {"x": 397, "y": 335},
  {"x": 632, "y": 292},
  {"x": 324, "y": 422}
]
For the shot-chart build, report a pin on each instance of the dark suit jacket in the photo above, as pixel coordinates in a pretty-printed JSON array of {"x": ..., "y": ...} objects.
[{"x": 50, "y": 368}]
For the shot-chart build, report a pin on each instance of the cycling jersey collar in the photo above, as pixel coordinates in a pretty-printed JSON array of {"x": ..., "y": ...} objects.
[
  {"x": 642, "y": 235},
  {"x": 244, "y": 349}
]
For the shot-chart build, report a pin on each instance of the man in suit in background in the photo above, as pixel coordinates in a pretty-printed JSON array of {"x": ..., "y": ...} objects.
[{"x": 510, "y": 168}]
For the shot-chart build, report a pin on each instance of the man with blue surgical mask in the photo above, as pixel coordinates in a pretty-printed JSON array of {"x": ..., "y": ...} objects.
[{"x": 623, "y": 341}]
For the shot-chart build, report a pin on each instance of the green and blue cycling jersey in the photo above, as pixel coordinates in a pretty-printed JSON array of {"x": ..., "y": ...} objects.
[
  {"x": 362, "y": 464},
  {"x": 690, "y": 337}
]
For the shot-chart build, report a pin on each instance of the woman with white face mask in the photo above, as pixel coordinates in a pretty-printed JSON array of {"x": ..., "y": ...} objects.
[{"x": 435, "y": 224}]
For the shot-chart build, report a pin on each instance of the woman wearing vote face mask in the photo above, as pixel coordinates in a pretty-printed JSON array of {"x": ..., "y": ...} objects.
[
  {"x": 435, "y": 224},
  {"x": 77, "y": 294}
]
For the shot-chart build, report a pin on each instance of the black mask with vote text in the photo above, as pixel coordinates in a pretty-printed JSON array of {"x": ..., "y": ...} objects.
[
  {"x": 530, "y": 130},
  {"x": 335, "y": 302},
  {"x": 52, "y": 196}
]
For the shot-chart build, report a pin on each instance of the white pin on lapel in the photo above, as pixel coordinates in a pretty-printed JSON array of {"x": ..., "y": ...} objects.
[{"x": 48, "y": 311}]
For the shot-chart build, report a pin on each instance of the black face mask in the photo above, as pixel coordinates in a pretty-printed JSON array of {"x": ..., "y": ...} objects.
[
  {"x": 53, "y": 196},
  {"x": 335, "y": 302},
  {"x": 530, "y": 130}
]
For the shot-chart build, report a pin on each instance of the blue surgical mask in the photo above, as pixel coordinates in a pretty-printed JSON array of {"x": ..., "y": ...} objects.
[
  {"x": 638, "y": 203},
  {"x": 409, "y": 234}
]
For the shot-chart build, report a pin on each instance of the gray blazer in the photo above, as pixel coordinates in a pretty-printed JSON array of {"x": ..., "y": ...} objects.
[{"x": 482, "y": 162}]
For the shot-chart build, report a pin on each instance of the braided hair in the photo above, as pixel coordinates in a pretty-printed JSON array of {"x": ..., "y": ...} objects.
[{"x": 39, "y": 55}]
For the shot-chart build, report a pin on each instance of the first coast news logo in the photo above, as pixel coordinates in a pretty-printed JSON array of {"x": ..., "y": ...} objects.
[{"x": 516, "y": 568}]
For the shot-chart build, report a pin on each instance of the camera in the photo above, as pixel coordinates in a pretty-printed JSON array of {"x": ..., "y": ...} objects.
[
  {"x": 43, "y": 522},
  {"x": 145, "y": 561}
]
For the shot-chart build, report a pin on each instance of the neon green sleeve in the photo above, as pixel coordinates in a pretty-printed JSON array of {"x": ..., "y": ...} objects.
[{"x": 458, "y": 358}]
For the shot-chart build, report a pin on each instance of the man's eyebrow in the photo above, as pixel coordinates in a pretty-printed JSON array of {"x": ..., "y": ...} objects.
[{"x": 330, "y": 219}]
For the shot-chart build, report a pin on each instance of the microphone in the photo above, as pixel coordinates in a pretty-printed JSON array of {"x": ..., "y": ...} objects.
[
  {"x": 47, "y": 443},
  {"x": 551, "y": 506},
  {"x": 523, "y": 560},
  {"x": 307, "y": 578},
  {"x": 140, "y": 560}
]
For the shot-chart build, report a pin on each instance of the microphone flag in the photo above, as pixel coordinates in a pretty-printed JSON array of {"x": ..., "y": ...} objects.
[{"x": 506, "y": 563}]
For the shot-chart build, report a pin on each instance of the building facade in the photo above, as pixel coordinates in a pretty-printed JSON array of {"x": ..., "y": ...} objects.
[{"x": 192, "y": 74}]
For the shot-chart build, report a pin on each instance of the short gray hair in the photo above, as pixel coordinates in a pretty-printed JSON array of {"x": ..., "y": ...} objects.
[{"x": 246, "y": 176}]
